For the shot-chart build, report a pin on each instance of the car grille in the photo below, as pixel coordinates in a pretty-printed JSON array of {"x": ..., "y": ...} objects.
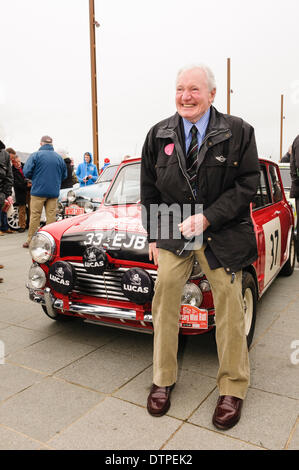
[{"x": 106, "y": 285}]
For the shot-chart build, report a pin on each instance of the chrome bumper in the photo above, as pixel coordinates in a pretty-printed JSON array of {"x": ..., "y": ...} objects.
[{"x": 44, "y": 297}]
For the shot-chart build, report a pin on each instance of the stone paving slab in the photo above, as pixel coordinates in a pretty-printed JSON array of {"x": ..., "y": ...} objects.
[
  {"x": 116, "y": 424},
  {"x": 267, "y": 419},
  {"x": 46, "y": 407},
  {"x": 80, "y": 386},
  {"x": 190, "y": 437},
  {"x": 51, "y": 354},
  {"x": 104, "y": 370},
  {"x": 12, "y": 440}
]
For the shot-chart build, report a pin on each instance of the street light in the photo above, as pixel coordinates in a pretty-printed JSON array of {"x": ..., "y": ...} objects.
[{"x": 94, "y": 104}]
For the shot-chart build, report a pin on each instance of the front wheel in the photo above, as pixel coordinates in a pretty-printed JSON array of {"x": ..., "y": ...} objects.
[{"x": 249, "y": 293}]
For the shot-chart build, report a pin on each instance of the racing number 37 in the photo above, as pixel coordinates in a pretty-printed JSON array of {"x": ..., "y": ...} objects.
[
  {"x": 274, "y": 238},
  {"x": 272, "y": 234}
]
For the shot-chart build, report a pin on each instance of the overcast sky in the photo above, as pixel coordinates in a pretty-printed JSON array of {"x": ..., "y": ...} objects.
[{"x": 45, "y": 68}]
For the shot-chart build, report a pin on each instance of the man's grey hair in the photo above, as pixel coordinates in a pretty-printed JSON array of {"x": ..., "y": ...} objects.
[{"x": 204, "y": 68}]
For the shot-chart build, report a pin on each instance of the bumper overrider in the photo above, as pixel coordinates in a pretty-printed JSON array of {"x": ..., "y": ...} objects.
[{"x": 99, "y": 291}]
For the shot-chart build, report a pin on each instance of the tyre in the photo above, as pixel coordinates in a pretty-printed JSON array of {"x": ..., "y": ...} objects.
[
  {"x": 57, "y": 316},
  {"x": 289, "y": 266},
  {"x": 249, "y": 293},
  {"x": 13, "y": 219}
]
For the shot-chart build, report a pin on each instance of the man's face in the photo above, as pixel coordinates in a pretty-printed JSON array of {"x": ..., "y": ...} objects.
[
  {"x": 12, "y": 156},
  {"x": 193, "y": 97},
  {"x": 87, "y": 158}
]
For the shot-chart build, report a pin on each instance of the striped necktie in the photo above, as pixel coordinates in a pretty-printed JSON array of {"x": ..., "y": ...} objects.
[{"x": 192, "y": 155}]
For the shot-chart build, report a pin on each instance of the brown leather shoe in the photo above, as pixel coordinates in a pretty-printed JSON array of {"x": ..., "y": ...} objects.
[
  {"x": 1, "y": 266},
  {"x": 158, "y": 401},
  {"x": 26, "y": 245},
  {"x": 227, "y": 412}
]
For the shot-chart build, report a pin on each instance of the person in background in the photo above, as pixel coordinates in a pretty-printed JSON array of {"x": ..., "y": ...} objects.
[
  {"x": 68, "y": 182},
  {"x": 294, "y": 192},
  {"x": 286, "y": 158},
  {"x": 106, "y": 163},
  {"x": 22, "y": 191},
  {"x": 87, "y": 172},
  {"x": 46, "y": 169},
  {"x": 6, "y": 182},
  {"x": 4, "y": 227},
  {"x": 12, "y": 153}
]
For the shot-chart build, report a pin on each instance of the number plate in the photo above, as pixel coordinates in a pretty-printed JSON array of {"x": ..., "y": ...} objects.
[
  {"x": 74, "y": 210},
  {"x": 193, "y": 317}
]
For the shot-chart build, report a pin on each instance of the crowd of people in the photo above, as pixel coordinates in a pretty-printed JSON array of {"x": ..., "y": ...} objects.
[{"x": 37, "y": 184}]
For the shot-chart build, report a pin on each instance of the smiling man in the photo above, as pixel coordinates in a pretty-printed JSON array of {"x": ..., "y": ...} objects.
[{"x": 200, "y": 158}]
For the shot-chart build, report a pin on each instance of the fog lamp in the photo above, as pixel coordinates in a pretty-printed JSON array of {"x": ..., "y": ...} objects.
[
  {"x": 191, "y": 295},
  {"x": 71, "y": 196},
  {"x": 196, "y": 271},
  {"x": 88, "y": 207},
  {"x": 36, "y": 277},
  {"x": 59, "y": 208}
]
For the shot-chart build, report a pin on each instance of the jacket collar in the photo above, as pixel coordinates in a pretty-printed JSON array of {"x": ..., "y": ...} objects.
[
  {"x": 47, "y": 147},
  {"x": 217, "y": 122}
]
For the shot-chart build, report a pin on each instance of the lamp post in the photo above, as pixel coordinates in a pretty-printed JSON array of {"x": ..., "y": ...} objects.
[
  {"x": 228, "y": 86},
  {"x": 281, "y": 126},
  {"x": 95, "y": 135}
]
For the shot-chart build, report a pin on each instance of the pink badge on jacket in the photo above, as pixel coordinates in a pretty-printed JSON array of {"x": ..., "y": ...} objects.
[{"x": 169, "y": 149}]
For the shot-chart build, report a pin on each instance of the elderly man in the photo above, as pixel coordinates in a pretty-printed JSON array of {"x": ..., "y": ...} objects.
[
  {"x": 47, "y": 170},
  {"x": 200, "y": 158}
]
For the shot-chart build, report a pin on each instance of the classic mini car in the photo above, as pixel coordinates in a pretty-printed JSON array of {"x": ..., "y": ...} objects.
[
  {"x": 84, "y": 199},
  {"x": 96, "y": 266}
]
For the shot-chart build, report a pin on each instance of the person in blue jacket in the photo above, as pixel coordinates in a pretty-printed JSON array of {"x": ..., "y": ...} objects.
[
  {"x": 87, "y": 172},
  {"x": 46, "y": 169}
]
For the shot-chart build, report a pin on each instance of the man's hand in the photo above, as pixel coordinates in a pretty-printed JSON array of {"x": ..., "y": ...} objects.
[
  {"x": 194, "y": 225},
  {"x": 153, "y": 252}
]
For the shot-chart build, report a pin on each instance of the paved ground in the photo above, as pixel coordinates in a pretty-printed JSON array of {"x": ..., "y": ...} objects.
[{"x": 79, "y": 386}]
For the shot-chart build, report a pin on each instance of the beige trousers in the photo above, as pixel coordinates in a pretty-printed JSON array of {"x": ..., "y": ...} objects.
[
  {"x": 173, "y": 273},
  {"x": 36, "y": 207}
]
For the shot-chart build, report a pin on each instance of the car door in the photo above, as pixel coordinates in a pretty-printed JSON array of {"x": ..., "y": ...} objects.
[{"x": 266, "y": 215}]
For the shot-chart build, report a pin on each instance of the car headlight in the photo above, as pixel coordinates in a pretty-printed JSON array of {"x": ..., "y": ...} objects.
[
  {"x": 42, "y": 247},
  {"x": 191, "y": 295},
  {"x": 88, "y": 207},
  {"x": 36, "y": 277},
  {"x": 71, "y": 196}
]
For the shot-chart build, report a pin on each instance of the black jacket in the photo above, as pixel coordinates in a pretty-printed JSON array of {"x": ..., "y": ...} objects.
[
  {"x": 20, "y": 186},
  {"x": 68, "y": 182},
  {"x": 227, "y": 179},
  {"x": 294, "y": 169},
  {"x": 6, "y": 179}
]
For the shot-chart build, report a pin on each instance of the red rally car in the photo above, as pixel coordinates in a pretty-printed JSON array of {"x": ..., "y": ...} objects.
[{"x": 96, "y": 266}]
